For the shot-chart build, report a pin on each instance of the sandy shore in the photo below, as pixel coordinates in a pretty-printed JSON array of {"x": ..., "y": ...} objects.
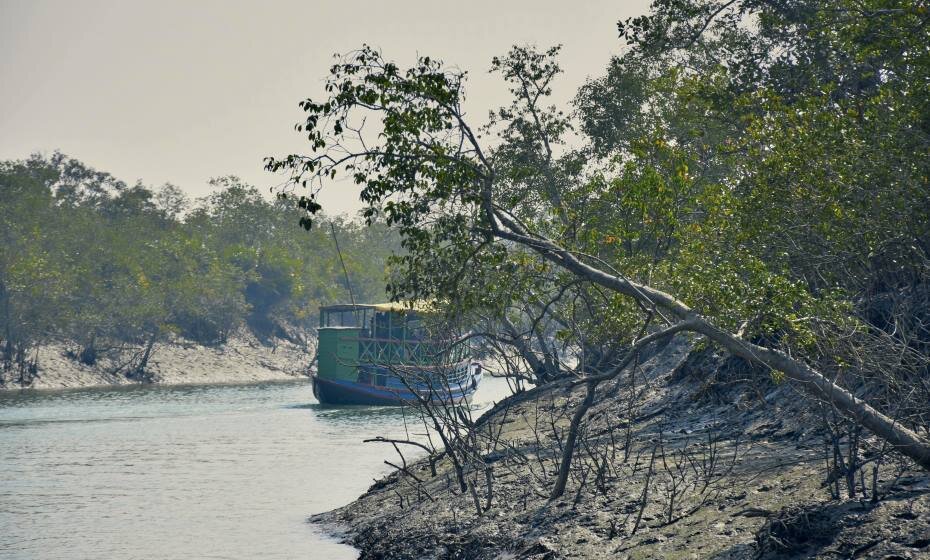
[{"x": 243, "y": 359}]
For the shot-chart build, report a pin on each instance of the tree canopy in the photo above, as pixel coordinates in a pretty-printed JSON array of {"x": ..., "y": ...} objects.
[
  {"x": 95, "y": 263},
  {"x": 752, "y": 171}
]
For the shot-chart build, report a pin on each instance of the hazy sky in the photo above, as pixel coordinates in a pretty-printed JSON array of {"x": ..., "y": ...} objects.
[{"x": 182, "y": 91}]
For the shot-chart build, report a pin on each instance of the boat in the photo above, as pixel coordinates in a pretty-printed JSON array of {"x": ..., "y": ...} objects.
[{"x": 384, "y": 354}]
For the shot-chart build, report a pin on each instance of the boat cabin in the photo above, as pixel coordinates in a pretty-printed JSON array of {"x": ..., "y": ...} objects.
[
  {"x": 388, "y": 321},
  {"x": 365, "y": 348}
]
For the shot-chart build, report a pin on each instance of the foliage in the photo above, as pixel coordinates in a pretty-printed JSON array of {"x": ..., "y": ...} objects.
[
  {"x": 765, "y": 163},
  {"x": 88, "y": 259}
]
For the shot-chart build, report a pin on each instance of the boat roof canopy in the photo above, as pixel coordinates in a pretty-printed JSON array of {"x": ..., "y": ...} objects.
[{"x": 421, "y": 307}]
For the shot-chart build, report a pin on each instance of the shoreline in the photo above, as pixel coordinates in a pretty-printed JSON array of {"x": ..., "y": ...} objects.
[
  {"x": 284, "y": 380},
  {"x": 762, "y": 496},
  {"x": 242, "y": 359},
  {"x": 235, "y": 457}
]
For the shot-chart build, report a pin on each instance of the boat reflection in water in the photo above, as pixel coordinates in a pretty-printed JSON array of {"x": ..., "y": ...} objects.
[{"x": 384, "y": 354}]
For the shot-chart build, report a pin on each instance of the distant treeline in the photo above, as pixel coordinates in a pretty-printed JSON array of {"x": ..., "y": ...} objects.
[{"x": 90, "y": 260}]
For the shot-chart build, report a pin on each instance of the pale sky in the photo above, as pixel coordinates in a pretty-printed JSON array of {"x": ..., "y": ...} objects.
[{"x": 182, "y": 91}]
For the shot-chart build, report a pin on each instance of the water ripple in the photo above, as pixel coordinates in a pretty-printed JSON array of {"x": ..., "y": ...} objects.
[{"x": 167, "y": 472}]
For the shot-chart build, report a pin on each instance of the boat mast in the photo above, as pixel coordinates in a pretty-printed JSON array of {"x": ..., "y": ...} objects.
[{"x": 344, "y": 269}]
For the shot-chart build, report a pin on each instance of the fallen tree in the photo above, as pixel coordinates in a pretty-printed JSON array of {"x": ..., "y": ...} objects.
[
  {"x": 808, "y": 379},
  {"x": 463, "y": 209}
]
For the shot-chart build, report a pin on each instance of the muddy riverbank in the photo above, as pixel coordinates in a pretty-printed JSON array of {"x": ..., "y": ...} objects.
[
  {"x": 705, "y": 466},
  {"x": 242, "y": 359}
]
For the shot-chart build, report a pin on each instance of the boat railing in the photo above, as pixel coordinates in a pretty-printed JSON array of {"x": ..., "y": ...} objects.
[
  {"x": 435, "y": 380},
  {"x": 408, "y": 352}
]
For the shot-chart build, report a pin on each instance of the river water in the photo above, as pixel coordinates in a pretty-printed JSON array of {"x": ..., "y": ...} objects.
[{"x": 185, "y": 472}]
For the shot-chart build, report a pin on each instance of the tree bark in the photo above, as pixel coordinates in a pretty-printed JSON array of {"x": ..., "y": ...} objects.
[
  {"x": 568, "y": 450},
  {"x": 88, "y": 354},
  {"x": 6, "y": 349},
  {"x": 139, "y": 372}
]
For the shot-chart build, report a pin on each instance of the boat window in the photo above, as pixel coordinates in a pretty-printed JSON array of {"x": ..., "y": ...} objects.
[
  {"x": 397, "y": 327},
  {"x": 345, "y": 318},
  {"x": 414, "y": 328},
  {"x": 382, "y": 325}
]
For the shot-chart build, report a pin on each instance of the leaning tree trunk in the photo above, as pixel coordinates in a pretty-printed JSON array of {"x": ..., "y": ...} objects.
[
  {"x": 906, "y": 441},
  {"x": 88, "y": 354},
  {"x": 568, "y": 450},
  {"x": 6, "y": 348},
  {"x": 591, "y": 384},
  {"x": 139, "y": 371}
]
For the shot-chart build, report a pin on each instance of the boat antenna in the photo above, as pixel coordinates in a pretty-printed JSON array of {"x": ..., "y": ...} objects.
[{"x": 344, "y": 269}]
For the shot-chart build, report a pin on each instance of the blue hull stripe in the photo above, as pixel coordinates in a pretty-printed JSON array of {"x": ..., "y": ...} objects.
[{"x": 338, "y": 391}]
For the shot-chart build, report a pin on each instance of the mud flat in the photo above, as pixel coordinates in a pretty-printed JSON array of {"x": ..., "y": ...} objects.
[
  {"x": 715, "y": 468},
  {"x": 243, "y": 359}
]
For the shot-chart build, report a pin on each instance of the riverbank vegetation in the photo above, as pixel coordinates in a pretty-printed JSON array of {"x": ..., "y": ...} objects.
[
  {"x": 104, "y": 267},
  {"x": 754, "y": 174}
]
